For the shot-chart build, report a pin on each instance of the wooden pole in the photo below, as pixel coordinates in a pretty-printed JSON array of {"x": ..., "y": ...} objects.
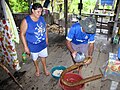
[
  {"x": 8, "y": 72},
  {"x": 96, "y": 5},
  {"x": 115, "y": 11},
  {"x": 113, "y": 5},
  {"x": 65, "y": 15},
  {"x": 52, "y": 6},
  {"x": 116, "y": 18},
  {"x": 81, "y": 6}
]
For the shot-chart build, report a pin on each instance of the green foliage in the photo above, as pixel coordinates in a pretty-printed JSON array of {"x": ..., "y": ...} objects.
[
  {"x": 22, "y": 6},
  {"x": 18, "y": 6},
  {"x": 105, "y": 7},
  {"x": 88, "y": 5},
  {"x": 73, "y": 7}
]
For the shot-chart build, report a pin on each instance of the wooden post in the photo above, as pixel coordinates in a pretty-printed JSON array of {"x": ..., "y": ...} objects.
[
  {"x": 113, "y": 4},
  {"x": 96, "y": 6},
  {"x": 115, "y": 11},
  {"x": 81, "y": 5},
  {"x": 52, "y": 6},
  {"x": 116, "y": 18},
  {"x": 65, "y": 15}
]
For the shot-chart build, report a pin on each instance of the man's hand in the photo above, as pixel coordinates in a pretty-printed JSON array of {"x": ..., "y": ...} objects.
[
  {"x": 74, "y": 54},
  {"x": 88, "y": 60}
]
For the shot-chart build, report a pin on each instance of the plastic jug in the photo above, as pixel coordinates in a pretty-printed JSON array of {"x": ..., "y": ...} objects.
[{"x": 79, "y": 57}]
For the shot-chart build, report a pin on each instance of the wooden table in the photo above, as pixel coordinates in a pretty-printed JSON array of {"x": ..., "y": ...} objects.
[{"x": 102, "y": 15}]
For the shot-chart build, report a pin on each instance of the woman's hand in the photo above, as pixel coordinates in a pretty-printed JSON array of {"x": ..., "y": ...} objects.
[{"x": 27, "y": 51}]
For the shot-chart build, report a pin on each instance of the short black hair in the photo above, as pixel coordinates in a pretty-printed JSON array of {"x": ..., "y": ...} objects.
[{"x": 35, "y": 6}]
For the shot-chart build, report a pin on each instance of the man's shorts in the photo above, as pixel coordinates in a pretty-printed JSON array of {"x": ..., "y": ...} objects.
[
  {"x": 43, "y": 53},
  {"x": 80, "y": 48}
]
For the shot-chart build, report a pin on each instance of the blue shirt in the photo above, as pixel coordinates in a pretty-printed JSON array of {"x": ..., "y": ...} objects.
[
  {"x": 36, "y": 34},
  {"x": 77, "y": 36}
]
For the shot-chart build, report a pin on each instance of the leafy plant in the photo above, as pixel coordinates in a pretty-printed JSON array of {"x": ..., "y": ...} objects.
[
  {"x": 19, "y": 6},
  {"x": 22, "y": 6},
  {"x": 88, "y": 5}
]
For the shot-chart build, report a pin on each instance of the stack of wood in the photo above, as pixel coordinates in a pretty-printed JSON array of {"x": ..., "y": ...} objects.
[{"x": 55, "y": 29}]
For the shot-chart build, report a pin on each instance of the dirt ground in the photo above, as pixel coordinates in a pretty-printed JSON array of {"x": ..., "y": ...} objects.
[{"x": 58, "y": 55}]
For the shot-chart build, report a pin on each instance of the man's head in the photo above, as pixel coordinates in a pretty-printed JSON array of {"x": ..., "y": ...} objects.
[{"x": 88, "y": 25}]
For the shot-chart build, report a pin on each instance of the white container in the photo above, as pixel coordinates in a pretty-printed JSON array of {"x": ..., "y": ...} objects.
[
  {"x": 79, "y": 57},
  {"x": 114, "y": 85}
]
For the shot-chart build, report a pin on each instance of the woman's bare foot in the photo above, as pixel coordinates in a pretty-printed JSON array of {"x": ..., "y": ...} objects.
[
  {"x": 47, "y": 73},
  {"x": 37, "y": 74}
]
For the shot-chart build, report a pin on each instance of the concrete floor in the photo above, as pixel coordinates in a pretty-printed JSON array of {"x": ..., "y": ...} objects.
[{"x": 59, "y": 55}]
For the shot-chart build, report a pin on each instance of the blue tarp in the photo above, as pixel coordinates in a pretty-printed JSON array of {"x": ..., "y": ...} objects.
[{"x": 107, "y": 2}]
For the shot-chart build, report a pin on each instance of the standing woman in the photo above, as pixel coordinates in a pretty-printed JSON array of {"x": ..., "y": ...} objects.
[{"x": 35, "y": 37}]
